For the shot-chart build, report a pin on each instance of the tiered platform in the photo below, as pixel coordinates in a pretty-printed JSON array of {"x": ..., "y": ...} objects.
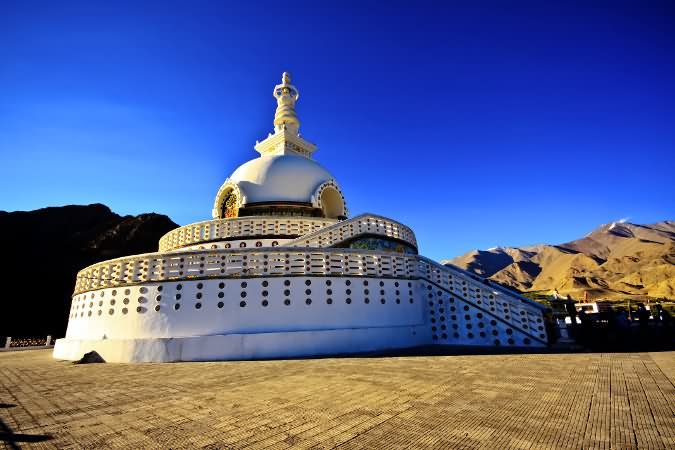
[
  {"x": 310, "y": 297},
  {"x": 282, "y": 272}
]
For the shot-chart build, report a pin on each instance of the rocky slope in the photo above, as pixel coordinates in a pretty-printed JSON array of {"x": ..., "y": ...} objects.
[
  {"x": 42, "y": 251},
  {"x": 614, "y": 261}
]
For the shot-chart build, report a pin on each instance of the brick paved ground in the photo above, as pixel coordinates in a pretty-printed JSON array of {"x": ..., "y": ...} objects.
[{"x": 492, "y": 402}]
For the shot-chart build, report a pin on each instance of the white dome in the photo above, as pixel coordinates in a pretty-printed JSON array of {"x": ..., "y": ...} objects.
[{"x": 279, "y": 178}]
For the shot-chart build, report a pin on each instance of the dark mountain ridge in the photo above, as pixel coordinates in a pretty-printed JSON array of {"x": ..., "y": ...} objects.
[{"x": 44, "y": 249}]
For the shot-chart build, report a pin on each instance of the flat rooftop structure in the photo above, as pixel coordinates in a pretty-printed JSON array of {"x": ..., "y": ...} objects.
[{"x": 527, "y": 401}]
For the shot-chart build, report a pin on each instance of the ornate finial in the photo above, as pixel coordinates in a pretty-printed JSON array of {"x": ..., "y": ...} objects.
[
  {"x": 286, "y": 95},
  {"x": 285, "y": 139}
]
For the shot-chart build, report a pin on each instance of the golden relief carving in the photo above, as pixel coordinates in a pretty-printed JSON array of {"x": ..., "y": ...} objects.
[{"x": 230, "y": 206}]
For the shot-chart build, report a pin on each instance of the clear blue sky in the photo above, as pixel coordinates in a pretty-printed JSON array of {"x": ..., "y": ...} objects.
[{"x": 477, "y": 123}]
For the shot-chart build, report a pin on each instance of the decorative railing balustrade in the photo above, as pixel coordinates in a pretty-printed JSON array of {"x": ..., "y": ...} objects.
[
  {"x": 359, "y": 225},
  {"x": 507, "y": 305},
  {"x": 242, "y": 227},
  {"x": 454, "y": 278},
  {"x": 280, "y": 261},
  {"x": 503, "y": 305},
  {"x": 276, "y": 261},
  {"x": 258, "y": 262}
]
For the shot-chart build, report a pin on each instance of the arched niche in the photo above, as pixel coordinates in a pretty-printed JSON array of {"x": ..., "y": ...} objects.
[
  {"x": 329, "y": 198},
  {"x": 228, "y": 201},
  {"x": 332, "y": 203}
]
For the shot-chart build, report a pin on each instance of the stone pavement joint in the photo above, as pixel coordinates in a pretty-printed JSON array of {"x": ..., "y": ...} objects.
[{"x": 575, "y": 401}]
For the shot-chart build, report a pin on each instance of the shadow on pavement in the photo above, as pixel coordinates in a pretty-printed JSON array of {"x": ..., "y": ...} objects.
[{"x": 11, "y": 439}]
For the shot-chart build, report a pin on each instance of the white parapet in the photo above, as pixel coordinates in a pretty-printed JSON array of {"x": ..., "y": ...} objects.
[{"x": 307, "y": 298}]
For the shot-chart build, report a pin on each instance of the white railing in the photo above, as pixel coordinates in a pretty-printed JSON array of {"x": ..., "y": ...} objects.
[
  {"x": 285, "y": 261},
  {"x": 492, "y": 298},
  {"x": 454, "y": 274},
  {"x": 359, "y": 225},
  {"x": 288, "y": 262},
  {"x": 274, "y": 261},
  {"x": 225, "y": 263},
  {"x": 240, "y": 227}
]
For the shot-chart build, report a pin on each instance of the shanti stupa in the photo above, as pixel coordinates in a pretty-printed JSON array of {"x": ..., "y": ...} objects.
[{"x": 282, "y": 271}]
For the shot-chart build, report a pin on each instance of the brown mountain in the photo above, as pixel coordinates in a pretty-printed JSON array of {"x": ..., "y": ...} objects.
[
  {"x": 615, "y": 261},
  {"x": 43, "y": 250}
]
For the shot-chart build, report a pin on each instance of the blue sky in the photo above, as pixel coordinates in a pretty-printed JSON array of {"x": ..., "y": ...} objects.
[{"x": 476, "y": 123}]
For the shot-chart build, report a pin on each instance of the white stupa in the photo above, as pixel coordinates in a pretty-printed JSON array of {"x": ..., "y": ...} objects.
[{"x": 281, "y": 271}]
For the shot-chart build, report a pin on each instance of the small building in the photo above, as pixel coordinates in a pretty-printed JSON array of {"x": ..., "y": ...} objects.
[{"x": 594, "y": 307}]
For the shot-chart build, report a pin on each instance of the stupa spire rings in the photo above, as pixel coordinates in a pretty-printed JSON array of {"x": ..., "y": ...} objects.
[
  {"x": 286, "y": 139},
  {"x": 286, "y": 95}
]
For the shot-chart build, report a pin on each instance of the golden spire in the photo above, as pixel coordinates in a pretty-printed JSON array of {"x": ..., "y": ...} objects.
[{"x": 286, "y": 95}]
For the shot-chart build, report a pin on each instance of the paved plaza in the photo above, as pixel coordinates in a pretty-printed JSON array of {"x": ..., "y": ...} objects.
[{"x": 618, "y": 400}]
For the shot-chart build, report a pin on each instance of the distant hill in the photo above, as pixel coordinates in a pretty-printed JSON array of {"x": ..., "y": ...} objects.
[
  {"x": 615, "y": 261},
  {"x": 43, "y": 250}
]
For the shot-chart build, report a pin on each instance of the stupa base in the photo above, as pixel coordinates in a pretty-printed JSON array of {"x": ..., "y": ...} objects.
[{"x": 276, "y": 345}]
